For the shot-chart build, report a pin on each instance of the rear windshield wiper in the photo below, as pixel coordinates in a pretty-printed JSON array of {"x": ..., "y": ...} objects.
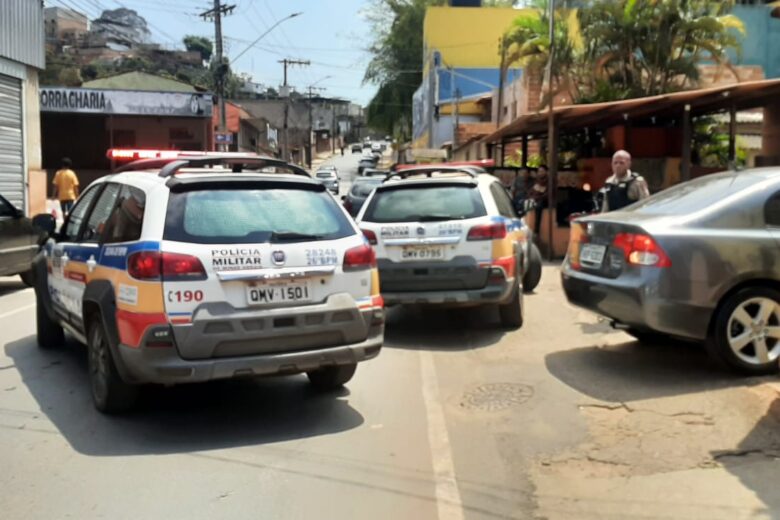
[{"x": 280, "y": 236}]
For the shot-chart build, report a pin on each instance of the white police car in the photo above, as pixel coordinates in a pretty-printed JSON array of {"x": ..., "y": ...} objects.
[
  {"x": 449, "y": 235},
  {"x": 192, "y": 267}
]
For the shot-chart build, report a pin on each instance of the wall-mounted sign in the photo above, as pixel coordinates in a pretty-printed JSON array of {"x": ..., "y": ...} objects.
[
  {"x": 224, "y": 138},
  {"x": 125, "y": 102}
]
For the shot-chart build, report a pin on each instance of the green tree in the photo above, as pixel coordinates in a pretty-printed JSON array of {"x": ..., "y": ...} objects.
[
  {"x": 199, "y": 44},
  {"x": 617, "y": 49},
  {"x": 396, "y": 63}
]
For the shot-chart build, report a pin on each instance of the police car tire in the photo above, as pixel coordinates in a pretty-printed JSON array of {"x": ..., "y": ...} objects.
[
  {"x": 511, "y": 313},
  {"x": 117, "y": 395},
  {"x": 331, "y": 378},
  {"x": 533, "y": 274},
  {"x": 49, "y": 333}
]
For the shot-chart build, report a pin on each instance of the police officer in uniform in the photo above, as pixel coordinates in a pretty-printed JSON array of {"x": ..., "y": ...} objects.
[{"x": 624, "y": 187}]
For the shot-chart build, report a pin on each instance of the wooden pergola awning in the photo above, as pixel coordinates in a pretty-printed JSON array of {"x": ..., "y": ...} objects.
[{"x": 739, "y": 96}]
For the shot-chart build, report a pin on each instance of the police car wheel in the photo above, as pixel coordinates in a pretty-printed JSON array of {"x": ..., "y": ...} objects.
[
  {"x": 511, "y": 313},
  {"x": 109, "y": 393},
  {"x": 533, "y": 273},
  {"x": 331, "y": 378},
  {"x": 49, "y": 332}
]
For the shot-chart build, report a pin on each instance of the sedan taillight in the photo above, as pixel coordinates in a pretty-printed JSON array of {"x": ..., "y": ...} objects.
[{"x": 641, "y": 249}]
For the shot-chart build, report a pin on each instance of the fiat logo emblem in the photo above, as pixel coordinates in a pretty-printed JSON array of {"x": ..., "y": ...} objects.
[{"x": 278, "y": 257}]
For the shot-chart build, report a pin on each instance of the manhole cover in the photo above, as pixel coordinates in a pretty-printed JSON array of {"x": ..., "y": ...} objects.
[{"x": 493, "y": 397}]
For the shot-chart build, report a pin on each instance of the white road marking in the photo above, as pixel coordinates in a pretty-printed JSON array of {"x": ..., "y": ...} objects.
[
  {"x": 448, "y": 501},
  {"x": 15, "y": 311}
]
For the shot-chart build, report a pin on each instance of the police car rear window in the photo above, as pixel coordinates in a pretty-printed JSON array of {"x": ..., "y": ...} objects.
[
  {"x": 419, "y": 203},
  {"x": 254, "y": 215}
]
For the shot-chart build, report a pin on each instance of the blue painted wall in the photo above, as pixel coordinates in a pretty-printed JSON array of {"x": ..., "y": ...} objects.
[
  {"x": 471, "y": 81},
  {"x": 761, "y": 43}
]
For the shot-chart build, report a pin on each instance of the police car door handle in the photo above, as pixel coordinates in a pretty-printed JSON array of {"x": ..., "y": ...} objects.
[{"x": 91, "y": 263}]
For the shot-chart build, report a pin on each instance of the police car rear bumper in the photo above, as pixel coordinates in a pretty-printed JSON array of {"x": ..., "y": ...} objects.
[{"x": 165, "y": 366}]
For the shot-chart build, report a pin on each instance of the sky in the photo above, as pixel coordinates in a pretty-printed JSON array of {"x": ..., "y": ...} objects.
[{"x": 332, "y": 34}]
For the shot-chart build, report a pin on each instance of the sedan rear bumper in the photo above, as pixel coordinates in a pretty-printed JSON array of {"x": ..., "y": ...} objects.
[{"x": 643, "y": 302}]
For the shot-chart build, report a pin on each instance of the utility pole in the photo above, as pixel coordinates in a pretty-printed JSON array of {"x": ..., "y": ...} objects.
[
  {"x": 552, "y": 138},
  {"x": 501, "y": 74},
  {"x": 221, "y": 70},
  {"x": 286, "y": 94},
  {"x": 311, "y": 124}
]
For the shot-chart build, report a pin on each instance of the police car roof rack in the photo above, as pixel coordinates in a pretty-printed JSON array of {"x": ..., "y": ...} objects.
[
  {"x": 237, "y": 162},
  {"x": 428, "y": 171}
]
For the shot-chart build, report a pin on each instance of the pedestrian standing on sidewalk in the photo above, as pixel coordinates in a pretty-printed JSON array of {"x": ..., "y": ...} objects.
[
  {"x": 624, "y": 187},
  {"x": 66, "y": 186}
]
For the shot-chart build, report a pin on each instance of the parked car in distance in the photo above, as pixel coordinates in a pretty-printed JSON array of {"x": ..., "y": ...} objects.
[
  {"x": 699, "y": 261},
  {"x": 357, "y": 148},
  {"x": 20, "y": 240},
  {"x": 366, "y": 145},
  {"x": 366, "y": 162},
  {"x": 330, "y": 179},
  {"x": 374, "y": 172},
  {"x": 376, "y": 147},
  {"x": 360, "y": 190}
]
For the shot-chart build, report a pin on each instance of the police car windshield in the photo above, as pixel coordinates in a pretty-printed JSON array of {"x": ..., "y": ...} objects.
[
  {"x": 254, "y": 216},
  {"x": 425, "y": 203}
]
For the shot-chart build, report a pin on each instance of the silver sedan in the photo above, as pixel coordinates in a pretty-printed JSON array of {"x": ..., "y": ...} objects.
[{"x": 698, "y": 261}]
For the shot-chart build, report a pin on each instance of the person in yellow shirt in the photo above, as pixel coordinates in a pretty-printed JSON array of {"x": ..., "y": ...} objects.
[{"x": 66, "y": 186}]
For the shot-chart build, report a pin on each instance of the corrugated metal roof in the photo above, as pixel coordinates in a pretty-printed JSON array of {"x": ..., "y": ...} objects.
[
  {"x": 22, "y": 32},
  {"x": 744, "y": 96}
]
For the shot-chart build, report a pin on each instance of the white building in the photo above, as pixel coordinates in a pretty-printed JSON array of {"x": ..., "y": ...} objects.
[{"x": 22, "y": 55}]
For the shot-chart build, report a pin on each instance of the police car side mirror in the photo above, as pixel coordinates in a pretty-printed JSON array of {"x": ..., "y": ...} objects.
[{"x": 45, "y": 223}]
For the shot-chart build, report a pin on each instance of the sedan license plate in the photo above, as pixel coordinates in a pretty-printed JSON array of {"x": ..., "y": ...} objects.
[
  {"x": 264, "y": 294},
  {"x": 422, "y": 253},
  {"x": 592, "y": 254}
]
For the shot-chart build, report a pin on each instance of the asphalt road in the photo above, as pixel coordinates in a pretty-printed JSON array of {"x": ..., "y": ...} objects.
[{"x": 456, "y": 418}]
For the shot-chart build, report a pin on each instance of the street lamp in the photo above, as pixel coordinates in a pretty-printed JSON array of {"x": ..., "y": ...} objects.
[
  {"x": 293, "y": 15},
  {"x": 311, "y": 122}
]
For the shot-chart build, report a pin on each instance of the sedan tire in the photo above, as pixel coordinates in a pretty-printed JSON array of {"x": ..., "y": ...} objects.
[
  {"x": 27, "y": 278},
  {"x": 49, "y": 332},
  {"x": 746, "y": 331}
]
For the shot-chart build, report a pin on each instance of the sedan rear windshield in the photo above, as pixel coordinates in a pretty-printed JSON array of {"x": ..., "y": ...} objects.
[
  {"x": 325, "y": 175},
  {"x": 253, "y": 216},
  {"x": 363, "y": 189},
  {"x": 425, "y": 203},
  {"x": 693, "y": 196}
]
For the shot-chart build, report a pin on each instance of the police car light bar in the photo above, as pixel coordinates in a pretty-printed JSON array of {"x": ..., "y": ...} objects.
[{"x": 125, "y": 154}]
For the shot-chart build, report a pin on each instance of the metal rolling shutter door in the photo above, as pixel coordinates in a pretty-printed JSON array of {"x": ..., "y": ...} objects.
[{"x": 11, "y": 151}]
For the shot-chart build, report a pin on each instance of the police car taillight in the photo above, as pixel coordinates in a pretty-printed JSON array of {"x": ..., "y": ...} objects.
[
  {"x": 496, "y": 230},
  {"x": 154, "y": 265},
  {"x": 361, "y": 257}
]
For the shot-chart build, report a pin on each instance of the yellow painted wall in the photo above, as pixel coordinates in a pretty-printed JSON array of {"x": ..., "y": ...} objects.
[{"x": 467, "y": 36}]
